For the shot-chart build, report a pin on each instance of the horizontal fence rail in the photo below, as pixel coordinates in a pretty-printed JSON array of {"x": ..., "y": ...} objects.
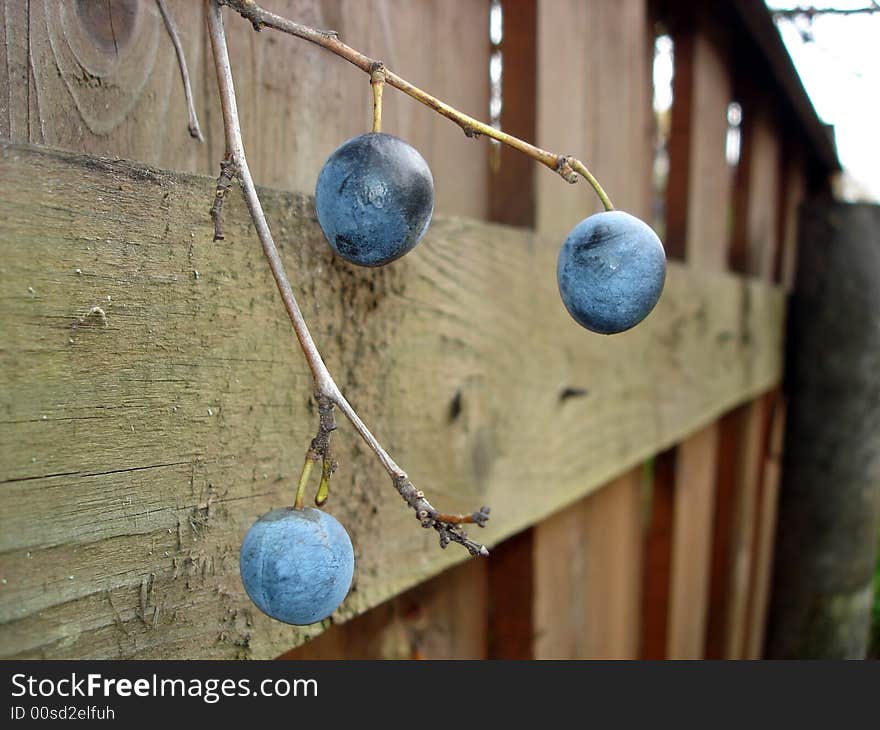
[{"x": 154, "y": 402}]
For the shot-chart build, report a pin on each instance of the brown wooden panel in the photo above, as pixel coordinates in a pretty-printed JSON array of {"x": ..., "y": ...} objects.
[
  {"x": 755, "y": 245},
  {"x": 511, "y": 598},
  {"x": 792, "y": 191},
  {"x": 588, "y": 570},
  {"x": 681, "y": 134},
  {"x": 742, "y": 435},
  {"x": 593, "y": 102},
  {"x": 563, "y": 72},
  {"x": 763, "y": 208},
  {"x": 164, "y": 496},
  {"x": 443, "y": 618},
  {"x": 658, "y": 559},
  {"x": 71, "y": 86},
  {"x": 696, "y": 466},
  {"x": 615, "y": 526},
  {"x": 765, "y": 521},
  {"x": 512, "y": 184},
  {"x": 593, "y": 99},
  {"x": 698, "y": 205},
  {"x": 561, "y": 579},
  {"x": 709, "y": 200}
]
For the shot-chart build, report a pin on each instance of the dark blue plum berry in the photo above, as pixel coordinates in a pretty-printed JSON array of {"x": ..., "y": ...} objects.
[
  {"x": 297, "y": 564},
  {"x": 611, "y": 271},
  {"x": 375, "y": 197}
]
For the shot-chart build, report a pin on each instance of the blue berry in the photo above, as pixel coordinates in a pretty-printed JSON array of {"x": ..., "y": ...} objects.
[
  {"x": 611, "y": 271},
  {"x": 297, "y": 564},
  {"x": 374, "y": 198}
]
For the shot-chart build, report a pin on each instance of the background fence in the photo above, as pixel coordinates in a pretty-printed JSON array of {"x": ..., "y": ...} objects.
[{"x": 633, "y": 479}]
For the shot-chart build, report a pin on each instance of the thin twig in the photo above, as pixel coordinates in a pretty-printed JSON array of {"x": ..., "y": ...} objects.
[
  {"x": 325, "y": 386},
  {"x": 194, "y": 130},
  {"x": 566, "y": 166},
  {"x": 811, "y": 12},
  {"x": 377, "y": 82}
]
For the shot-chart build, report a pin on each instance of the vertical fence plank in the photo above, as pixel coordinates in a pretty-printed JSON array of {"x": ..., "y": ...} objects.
[
  {"x": 562, "y": 584},
  {"x": 444, "y": 49},
  {"x": 756, "y": 220},
  {"x": 587, "y": 574},
  {"x": 658, "y": 558},
  {"x": 763, "y": 212},
  {"x": 700, "y": 181},
  {"x": 443, "y": 618},
  {"x": 793, "y": 185},
  {"x": 588, "y": 561},
  {"x": 742, "y": 436},
  {"x": 512, "y": 183},
  {"x": 707, "y": 243},
  {"x": 679, "y": 546},
  {"x": 766, "y": 528},
  {"x": 562, "y": 123},
  {"x": 691, "y": 544},
  {"x": 511, "y": 598},
  {"x": 615, "y": 523},
  {"x": 742, "y": 500},
  {"x": 709, "y": 200},
  {"x": 512, "y": 201},
  {"x": 681, "y": 140}
]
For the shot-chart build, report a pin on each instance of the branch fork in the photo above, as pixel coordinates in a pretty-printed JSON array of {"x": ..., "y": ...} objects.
[
  {"x": 327, "y": 394},
  {"x": 234, "y": 167}
]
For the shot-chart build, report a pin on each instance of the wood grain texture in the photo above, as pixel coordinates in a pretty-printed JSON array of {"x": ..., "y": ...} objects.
[
  {"x": 754, "y": 248},
  {"x": 512, "y": 597},
  {"x": 512, "y": 182},
  {"x": 443, "y": 618},
  {"x": 588, "y": 576},
  {"x": 763, "y": 208},
  {"x": 138, "y": 445},
  {"x": 708, "y": 212},
  {"x": 793, "y": 188},
  {"x": 594, "y": 101},
  {"x": 656, "y": 583},
  {"x": 765, "y": 533},
  {"x": 102, "y": 78},
  {"x": 692, "y": 544},
  {"x": 741, "y": 447},
  {"x": 700, "y": 201}
]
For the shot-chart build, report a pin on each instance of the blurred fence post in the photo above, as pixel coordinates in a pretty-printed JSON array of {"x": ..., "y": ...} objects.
[{"x": 830, "y": 499}]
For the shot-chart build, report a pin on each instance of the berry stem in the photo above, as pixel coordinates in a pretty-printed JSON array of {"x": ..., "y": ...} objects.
[
  {"x": 377, "y": 82},
  {"x": 568, "y": 167},
  {"x": 327, "y": 393},
  {"x": 303, "y": 481},
  {"x": 324, "y": 486},
  {"x": 579, "y": 168}
]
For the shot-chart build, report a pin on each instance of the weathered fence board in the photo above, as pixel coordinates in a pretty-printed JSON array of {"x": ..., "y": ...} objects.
[
  {"x": 588, "y": 568},
  {"x": 443, "y": 618},
  {"x": 82, "y": 79},
  {"x": 154, "y": 403},
  {"x": 692, "y": 541},
  {"x": 699, "y": 200}
]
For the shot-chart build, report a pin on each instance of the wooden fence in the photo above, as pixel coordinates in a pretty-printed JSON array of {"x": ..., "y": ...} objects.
[{"x": 154, "y": 402}]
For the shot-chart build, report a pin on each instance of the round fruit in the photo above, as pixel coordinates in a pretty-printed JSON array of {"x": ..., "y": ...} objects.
[
  {"x": 611, "y": 271},
  {"x": 375, "y": 197},
  {"x": 297, "y": 564}
]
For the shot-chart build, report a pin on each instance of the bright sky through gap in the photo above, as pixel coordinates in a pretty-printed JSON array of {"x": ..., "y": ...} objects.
[{"x": 840, "y": 69}]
